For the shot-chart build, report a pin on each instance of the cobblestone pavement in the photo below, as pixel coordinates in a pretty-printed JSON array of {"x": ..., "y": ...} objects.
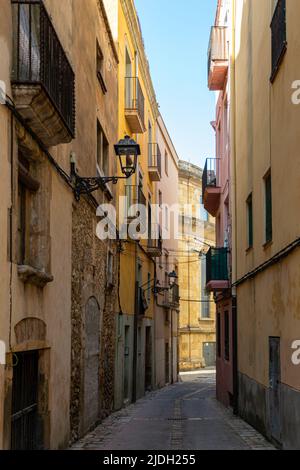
[{"x": 184, "y": 416}]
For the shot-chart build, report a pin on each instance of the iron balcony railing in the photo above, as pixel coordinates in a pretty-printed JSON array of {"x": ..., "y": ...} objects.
[
  {"x": 217, "y": 48},
  {"x": 154, "y": 237},
  {"x": 217, "y": 265},
  {"x": 154, "y": 156},
  {"x": 211, "y": 172},
  {"x": 39, "y": 58},
  {"x": 279, "y": 39},
  {"x": 135, "y": 195},
  {"x": 134, "y": 98},
  {"x": 171, "y": 297},
  {"x": 174, "y": 294}
]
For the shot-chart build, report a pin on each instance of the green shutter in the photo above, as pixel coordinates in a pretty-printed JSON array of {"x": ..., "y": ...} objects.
[
  {"x": 250, "y": 221},
  {"x": 268, "y": 195}
]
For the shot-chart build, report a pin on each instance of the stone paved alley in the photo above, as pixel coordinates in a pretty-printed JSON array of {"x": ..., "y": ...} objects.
[{"x": 184, "y": 416}]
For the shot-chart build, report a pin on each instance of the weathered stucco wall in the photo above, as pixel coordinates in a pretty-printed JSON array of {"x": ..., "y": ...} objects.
[
  {"x": 41, "y": 318},
  {"x": 5, "y": 197},
  {"x": 267, "y": 139}
]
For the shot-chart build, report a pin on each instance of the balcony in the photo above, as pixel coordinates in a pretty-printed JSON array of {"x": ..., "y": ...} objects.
[
  {"x": 43, "y": 81},
  {"x": 172, "y": 297},
  {"x": 154, "y": 245},
  {"x": 218, "y": 56},
  {"x": 211, "y": 188},
  {"x": 217, "y": 275},
  {"x": 154, "y": 162},
  {"x": 135, "y": 195},
  {"x": 134, "y": 105}
]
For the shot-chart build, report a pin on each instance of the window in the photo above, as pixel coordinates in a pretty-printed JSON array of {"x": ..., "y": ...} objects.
[
  {"x": 219, "y": 332},
  {"x": 102, "y": 151},
  {"x": 203, "y": 212},
  {"x": 268, "y": 209},
  {"x": 129, "y": 101},
  {"x": 100, "y": 69},
  {"x": 166, "y": 217},
  {"x": 182, "y": 224},
  {"x": 279, "y": 40},
  {"x": 160, "y": 198},
  {"x": 27, "y": 186},
  {"x": 26, "y": 19},
  {"x": 250, "y": 221},
  {"x": 166, "y": 163},
  {"x": 205, "y": 304},
  {"x": 150, "y": 145},
  {"x": 139, "y": 341},
  {"x": 149, "y": 287},
  {"x": 110, "y": 269},
  {"x": 22, "y": 223},
  {"x": 227, "y": 337}
]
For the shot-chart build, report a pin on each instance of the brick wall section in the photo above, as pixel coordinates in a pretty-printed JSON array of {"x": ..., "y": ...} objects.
[{"x": 89, "y": 262}]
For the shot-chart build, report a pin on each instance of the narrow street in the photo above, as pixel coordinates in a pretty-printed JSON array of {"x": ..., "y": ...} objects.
[{"x": 182, "y": 416}]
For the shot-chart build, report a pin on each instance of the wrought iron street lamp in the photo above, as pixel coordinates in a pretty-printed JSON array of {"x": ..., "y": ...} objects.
[
  {"x": 126, "y": 149},
  {"x": 173, "y": 277},
  {"x": 157, "y": 288}
]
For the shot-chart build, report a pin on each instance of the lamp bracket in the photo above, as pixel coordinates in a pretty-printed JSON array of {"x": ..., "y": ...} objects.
[{"x": 87, "y": 185}]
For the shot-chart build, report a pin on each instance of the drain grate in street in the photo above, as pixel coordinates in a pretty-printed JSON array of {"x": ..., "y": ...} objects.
[
  {"x": 177, "y": 429},
  {"x": 177, "y": 419}
]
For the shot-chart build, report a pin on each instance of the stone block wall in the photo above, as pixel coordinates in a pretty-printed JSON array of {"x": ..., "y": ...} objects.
[{"x": 89, "y": 281}]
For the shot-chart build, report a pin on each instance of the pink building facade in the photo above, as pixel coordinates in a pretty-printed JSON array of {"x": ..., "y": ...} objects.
[{"x": 216, "y": 197}]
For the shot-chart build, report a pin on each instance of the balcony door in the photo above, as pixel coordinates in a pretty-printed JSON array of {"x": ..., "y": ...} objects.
[
  {"x": 150, "y": 159},
  {"x": 128, "y": 82},
  {"x": 209, "y": 354}
]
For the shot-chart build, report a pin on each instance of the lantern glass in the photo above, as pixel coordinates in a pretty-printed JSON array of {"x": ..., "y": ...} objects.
[
  {"x": 128, "y": 164},
  {"x": 128, "y": 150}
]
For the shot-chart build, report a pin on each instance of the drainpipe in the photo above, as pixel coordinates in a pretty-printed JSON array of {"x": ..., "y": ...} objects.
[
  {"x": 135, "y": 329},
  {"x": 233, "y": 191}
]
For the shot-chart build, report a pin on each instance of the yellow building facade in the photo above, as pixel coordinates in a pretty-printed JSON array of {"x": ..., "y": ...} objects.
[
  {"x": 138, "y": 112},
  {"x": 197, "y": 328}
]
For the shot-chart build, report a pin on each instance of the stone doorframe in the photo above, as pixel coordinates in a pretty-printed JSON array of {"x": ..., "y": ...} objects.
[
  {"x": 43, "y": 389},
  {"x": 88, "y": 292}
]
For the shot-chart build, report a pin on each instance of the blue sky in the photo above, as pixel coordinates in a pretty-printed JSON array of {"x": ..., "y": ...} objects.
[{"x": 176, "y": 35}]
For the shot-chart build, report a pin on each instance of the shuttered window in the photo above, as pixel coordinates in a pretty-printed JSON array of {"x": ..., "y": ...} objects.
[
  {"x": 279, "y": 40},
  {"x": 226, "y": 336},
  {"x": 250, "y": 221},
  {"x": 268, "y": 209},
  {"x": 219, "y": 333}
]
